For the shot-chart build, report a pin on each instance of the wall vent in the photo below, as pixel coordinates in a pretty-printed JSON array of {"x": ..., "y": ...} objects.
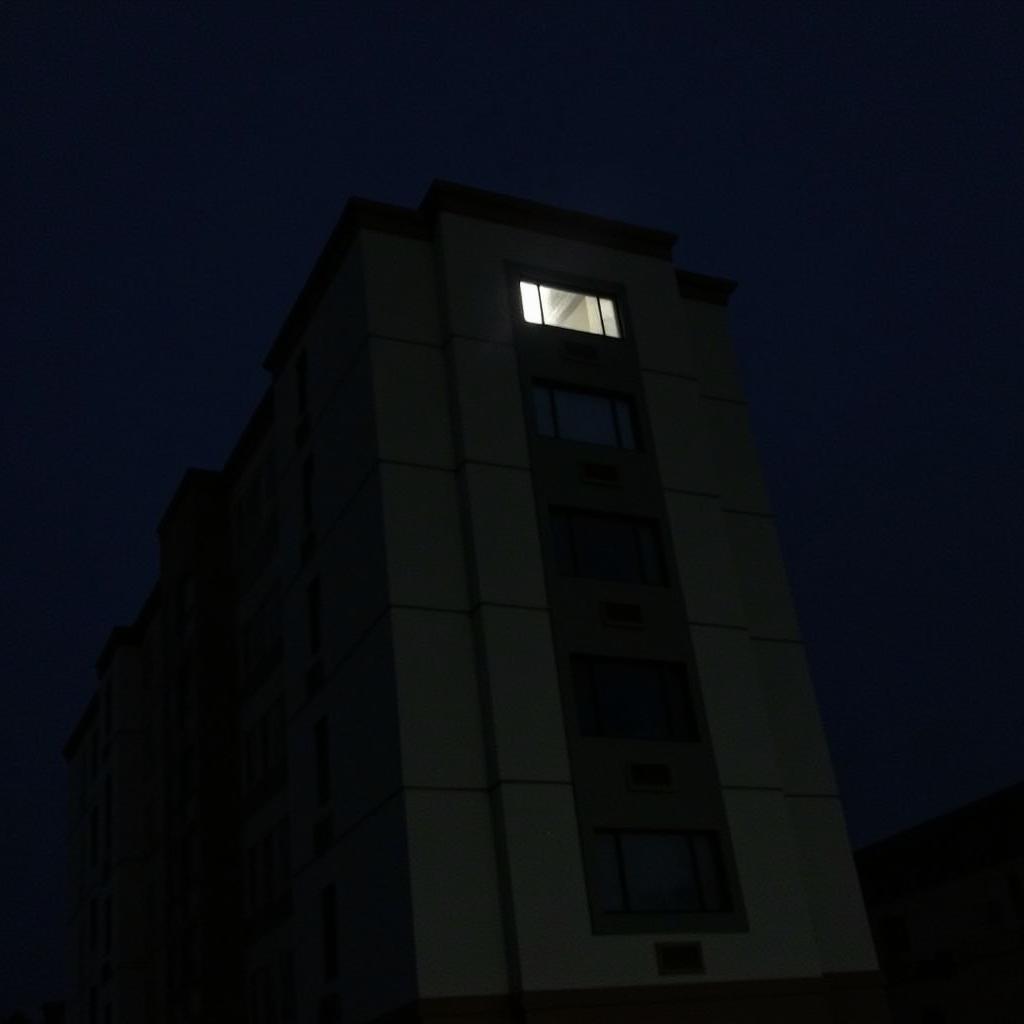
[
  {"x": 649, "y": 776},
  {"x": 618, "y": 614},
  {"x": 580, "y": 350},
  {"x": 600, "y": 473},
  {"x": 679, "y": 957}
]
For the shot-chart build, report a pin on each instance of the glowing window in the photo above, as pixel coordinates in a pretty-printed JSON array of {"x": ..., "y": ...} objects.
[{"x": 574, "y": 311}]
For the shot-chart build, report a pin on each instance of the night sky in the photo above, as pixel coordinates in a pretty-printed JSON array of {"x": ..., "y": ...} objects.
[{"x": 172, "y": 171}]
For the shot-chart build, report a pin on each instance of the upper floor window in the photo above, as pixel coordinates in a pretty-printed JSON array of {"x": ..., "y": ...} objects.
[
  {"x": 628, "y": 699},
  {"x": 607, "y": 547},
  {"x": 576, "y": 311},
  {"x": 660, "y": 872},
  {"x": 593, "y": 417}
]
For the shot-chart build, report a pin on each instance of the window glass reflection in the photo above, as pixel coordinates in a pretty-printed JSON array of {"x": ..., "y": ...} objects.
[{"x": 574, "y": 311}]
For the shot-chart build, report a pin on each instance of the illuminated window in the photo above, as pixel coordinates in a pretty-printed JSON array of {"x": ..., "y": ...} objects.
[
  {"x": 660, "y": 872},
  {"x": 575, "y": 311}
]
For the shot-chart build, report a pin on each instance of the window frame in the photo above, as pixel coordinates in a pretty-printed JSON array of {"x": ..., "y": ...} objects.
[
  {"x": 677, "y": 695},
  {"x": 551, "y": 386},
  {"x": 664, "y": 575},
  {"x": 601, "y": 295},
  {"x": 706, "y": 906}
]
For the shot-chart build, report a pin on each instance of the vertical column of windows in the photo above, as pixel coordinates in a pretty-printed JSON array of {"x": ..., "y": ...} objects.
[{"x": 655, "y": 877}]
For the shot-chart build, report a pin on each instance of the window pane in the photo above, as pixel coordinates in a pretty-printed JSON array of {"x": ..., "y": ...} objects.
[
  {"x": 606, "y": 549},
  {"x": 624, "y": 419},
  {"x": 653, "y": 569},
  {"x": 531, "y": 303},
  {"x": 611, "y": 321},
  {"x": 630, "y": 699},
  {"x": 712, "y": 884},
  {"x": 586, "y": 704},
  {"x": 609, "y": 881},
  {"x": 659, "y": 873},
  {"x": 572, "y": 310},
  {"x": 583, "y": 417},
  {"x": 545, "y": 416},
  {"x": 561, "y": 535}
]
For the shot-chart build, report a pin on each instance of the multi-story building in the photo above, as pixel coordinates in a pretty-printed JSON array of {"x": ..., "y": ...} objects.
[
  {"x": 946, "y": 904},
  {"x": 471, "y": 686}
]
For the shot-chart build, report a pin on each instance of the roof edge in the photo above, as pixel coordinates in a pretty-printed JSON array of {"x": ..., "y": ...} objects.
[
  {"x": 704, "y": 287},
  {"x": 193, "y": 478},
  {"x": 71, "y": 744},
  {"x": 451, "y": 197}
]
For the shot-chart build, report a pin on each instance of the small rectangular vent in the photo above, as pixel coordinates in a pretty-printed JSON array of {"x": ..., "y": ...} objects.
[
  {"x": 619, "y": 614},
  {"x": 600, "y": 473},
  {"x": 679, "y": 957},
  {"x": 580, "y": 350},
  {"x": 650, "y": 776}
]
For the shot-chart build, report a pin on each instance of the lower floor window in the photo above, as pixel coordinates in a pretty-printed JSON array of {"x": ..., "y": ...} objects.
[{"x": 660, "y": 872}]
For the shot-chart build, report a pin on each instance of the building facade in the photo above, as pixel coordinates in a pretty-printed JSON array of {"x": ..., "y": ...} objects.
[
  {"x": 471, "y": 686},
  {"x": 945, "y": 900}
]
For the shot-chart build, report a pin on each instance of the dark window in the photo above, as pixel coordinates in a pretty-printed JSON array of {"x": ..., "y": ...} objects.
[
  {"x": 287, "y": 973},
  {"x": 307, "y": 492},
  {"x": 302, "y": 383},
  {"x": 322, "y": 739},
  {"x": 893, "y": 936},
  {"x": 108, "y": 925},
  {"x": 108, "y": 710},
  {"x": 659, "y": 872},
  {"x": 1016, "y": 894},
  {"x": 329, "y": 922},
  {"x": 584, "y": 416},
  {"x": 313, "y": 615},
  {"x": 607, "y": 547},
  {"x": 108, "y": 814},
  {"x": 642, "y": 700},
  {"x": 186, "y": 604}
]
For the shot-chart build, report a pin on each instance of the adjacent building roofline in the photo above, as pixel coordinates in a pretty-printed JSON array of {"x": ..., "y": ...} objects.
[
  {"x": 194, "y": 478},
  {"x": 83, "y": 723},
  {"x": 253, "y": 433},
  {"x": 450, "y": 197},
  {"x": 1003, "y": 804},
  {"x": 705, "y": 288}
]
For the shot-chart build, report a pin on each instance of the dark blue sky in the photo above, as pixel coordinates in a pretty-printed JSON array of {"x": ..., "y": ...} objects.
[{"x": 171, "y": 173}]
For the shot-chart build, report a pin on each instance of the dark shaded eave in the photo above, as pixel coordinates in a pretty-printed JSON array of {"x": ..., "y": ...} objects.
[
  {"x": 704, "y": 288},
  {"x": 450, "y": 197},
  {"x": 88, "y": 715},
  {"x": 527, "y": 215}
]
